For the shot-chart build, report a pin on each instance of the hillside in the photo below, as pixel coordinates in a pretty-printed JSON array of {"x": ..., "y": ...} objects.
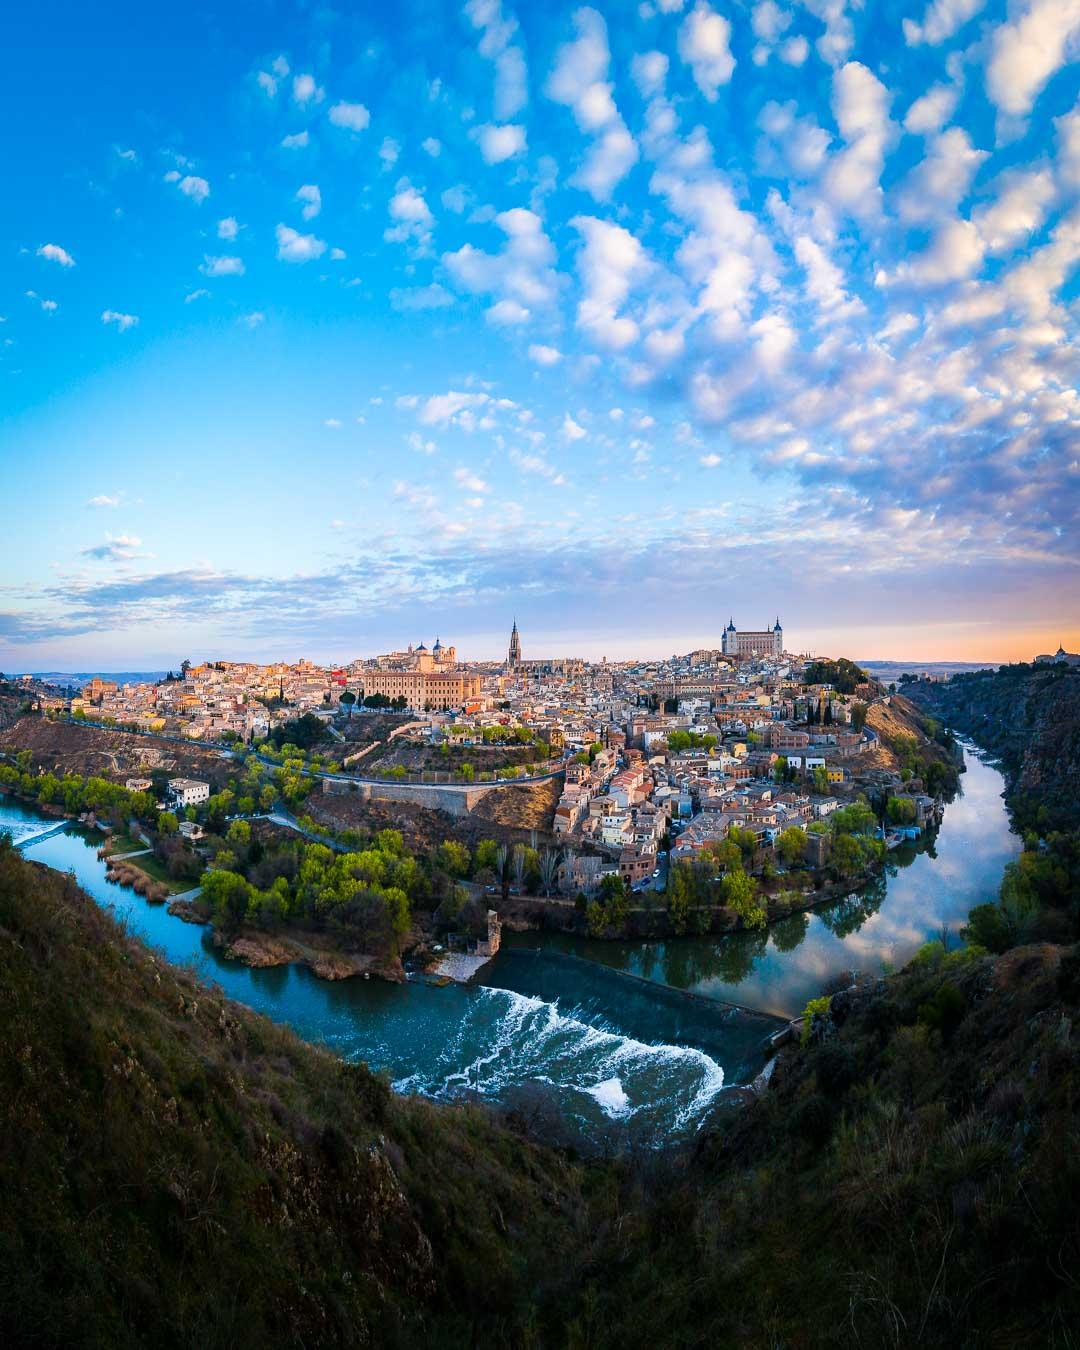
[
  {"x": 67, "y": 747},
  {"x": 178, "y": 1172},
  {"x": 1028, "y": 717}
]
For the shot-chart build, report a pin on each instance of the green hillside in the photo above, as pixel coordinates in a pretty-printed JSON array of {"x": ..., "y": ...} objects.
[{"x": 177, "y": 1171}]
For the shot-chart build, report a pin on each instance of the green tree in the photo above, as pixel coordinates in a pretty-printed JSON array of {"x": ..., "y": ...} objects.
[
  {"x": 739, "y": 893},
  {"x": 167, "y": 823},
  {"x": 453, "y": 858},
  {"x": 791, "y": 845}
]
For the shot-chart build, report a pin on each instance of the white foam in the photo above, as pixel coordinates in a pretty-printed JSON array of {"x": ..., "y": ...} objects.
[{"x": 613, "y": 1100}]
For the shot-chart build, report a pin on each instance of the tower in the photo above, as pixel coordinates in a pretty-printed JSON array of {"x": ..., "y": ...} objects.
[
  {"x": 513, "y": 658},
  {"x": 730, "y": 644},
  {"x": 778, "y": 638}
]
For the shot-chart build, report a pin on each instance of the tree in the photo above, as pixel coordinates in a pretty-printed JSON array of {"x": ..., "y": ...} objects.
[
  {"x": 859, "y": 711},
  {"x": 549, "y": 867},
  {"x": 453, "y": 858},
  {"x": 348, "y": 698},
  {"x": 821, "y": 780},
  {"x": 740, "y": 894},
  {"x": 167, "y": 823},
  {"x": 791, "y": 845}
]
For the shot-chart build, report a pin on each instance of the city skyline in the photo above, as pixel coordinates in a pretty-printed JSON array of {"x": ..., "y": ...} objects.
[{"x": 321, "y": 330}]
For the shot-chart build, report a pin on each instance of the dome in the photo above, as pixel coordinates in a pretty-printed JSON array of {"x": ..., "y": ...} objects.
[
  {"x": 438, "y": 646},
  {"x": 776, "y": 626},
  {"x": 421, "y": 648}
]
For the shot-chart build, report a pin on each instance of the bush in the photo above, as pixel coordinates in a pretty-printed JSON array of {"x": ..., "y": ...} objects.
[
  {"x": 944, "y": 1011},
  {"x": 835, "y": 1068}
]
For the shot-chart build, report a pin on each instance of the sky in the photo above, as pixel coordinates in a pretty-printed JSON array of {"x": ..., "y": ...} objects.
[{"x": 329, "y": 329}]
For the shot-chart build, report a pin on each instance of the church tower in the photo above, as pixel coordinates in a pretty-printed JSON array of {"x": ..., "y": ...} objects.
[{"x": 513, "y": 658}]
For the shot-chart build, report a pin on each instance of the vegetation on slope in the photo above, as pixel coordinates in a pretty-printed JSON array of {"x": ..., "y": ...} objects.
[{"x": 177, "y": 1171}]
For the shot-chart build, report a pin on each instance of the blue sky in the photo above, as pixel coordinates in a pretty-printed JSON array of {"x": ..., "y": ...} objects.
[{"x": 329, "y": 329}]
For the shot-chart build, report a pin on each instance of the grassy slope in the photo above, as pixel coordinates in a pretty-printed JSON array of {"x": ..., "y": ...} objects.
[{"x": 176, "y": 1171}]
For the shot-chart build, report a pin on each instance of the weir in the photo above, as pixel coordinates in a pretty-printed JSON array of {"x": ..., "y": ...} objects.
[{"x": 58, "y": 828}]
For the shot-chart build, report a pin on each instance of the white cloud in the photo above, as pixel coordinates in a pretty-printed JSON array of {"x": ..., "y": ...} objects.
[
  {"x": 942, "y": 19},
  {"x": 536, "y": 464},
  {"x": 955, "y": 252},
  {"x": 521, "y": 273},
  {"x": 352, "y": 116},
  {"x": 544, "y": 355},
  {"x": 298, "y": 141},
  {"x": 860, "y": 104},
  {"x": 800, "y": 140},
  {"x": 411, "y": 212},
  {"x": 611, "y": 262},
  {"x": 310, "y": 195},
  {"x": 710, "y": 461},
  {"x": 333, "y": 423},
  {"x": 198, "y": 189},
  {"x": 578, "y": 82},
  {"x": 1026, "y": 52},
  {"x": 496, "y": 44},
  {"x": 305, "y": 90},
  {"x": 571, "y": 430},
  {"x": 122, "y": 321},
  {"x": 297, "y": 248},
  {"x": 254, "y": 319},
  {"x": 421, "y": 298},
  {"x": 768, "y": 21},
  {"x": 507, "y": 314},
  {"x": 388, "y": 152},
  {"x": 1017, "y": 212},
  {"x": 500, "y": 143},
  {"x": 103, "y": 499},
  {"x": 201, "y": 293},
  {"x": 1068, "y": 156},
  {"x": 228, "y": 228},
  {"x": 431, "y": 146},
  {"x": 704, "y": 44},
  {"x": 794, "y": 51},
  {"x": 337, "y": 255},
  {"x": 117, "y": 548},
  {"x": 55, "y": 253},
  {"x": 940, "y": 181},
  {"x": 930, "y": 112},
  {"x": 221, "y": 266},
  {"x": 825, "y": 281},
  {"x": 469, "y": 481},
  {"x": 266, "y": 83},
  {"x": 650, "y": 71}
]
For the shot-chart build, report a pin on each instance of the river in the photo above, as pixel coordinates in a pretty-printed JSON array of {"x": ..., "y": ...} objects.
[{"x": 604, "y": 1046}]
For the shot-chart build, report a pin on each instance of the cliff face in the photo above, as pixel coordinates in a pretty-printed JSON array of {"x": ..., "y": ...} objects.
[{"x": 1028, "y": 717}]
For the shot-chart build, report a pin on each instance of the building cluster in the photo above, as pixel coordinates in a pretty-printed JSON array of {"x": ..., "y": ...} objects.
[{"x": 676, "y": 751}]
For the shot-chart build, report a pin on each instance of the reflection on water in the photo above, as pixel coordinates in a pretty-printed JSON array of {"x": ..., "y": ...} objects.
[{"x": 924, "y": 887}]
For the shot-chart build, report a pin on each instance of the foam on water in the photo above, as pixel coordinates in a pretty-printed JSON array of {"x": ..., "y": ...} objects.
[
  {"x": 522, "y": 1039},
  {"x": 611, "y": 1097}
]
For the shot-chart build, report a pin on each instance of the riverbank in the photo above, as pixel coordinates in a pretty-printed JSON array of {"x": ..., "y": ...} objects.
[{"x": 261, "y": 950}]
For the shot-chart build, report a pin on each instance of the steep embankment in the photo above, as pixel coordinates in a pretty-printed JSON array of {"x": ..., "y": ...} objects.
[
  {"x": 178, "y": 1172},
  {"x": 1029, "y": 718},
  {"x": 175, "y": 1171}
]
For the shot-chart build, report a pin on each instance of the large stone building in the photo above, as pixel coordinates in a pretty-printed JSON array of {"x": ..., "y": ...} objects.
[
  {"x": 428, "y": 679},
  {"x": 745, "y": 646},
  {"x": 423, "y": 690},
  {"x": 513, "y": 656}
]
